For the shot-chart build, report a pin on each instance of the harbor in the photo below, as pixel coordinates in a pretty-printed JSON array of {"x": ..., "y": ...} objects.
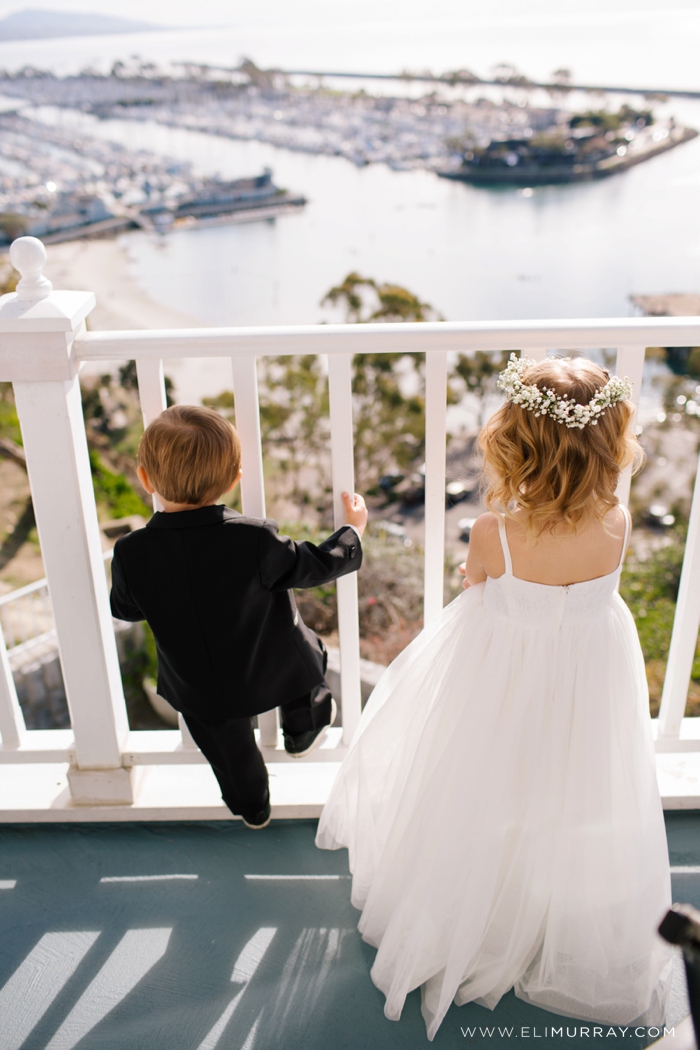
[
  {"x": 61, "y": 179},
  {"x": 59, "y": 186},
  {"x": 576, "y": 151}
]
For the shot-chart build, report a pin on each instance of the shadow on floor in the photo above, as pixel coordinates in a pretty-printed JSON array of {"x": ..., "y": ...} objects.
[{"x": 212, "y": 937}]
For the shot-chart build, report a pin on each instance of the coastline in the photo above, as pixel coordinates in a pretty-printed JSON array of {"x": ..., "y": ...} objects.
[{"x": 102, "y": 266}]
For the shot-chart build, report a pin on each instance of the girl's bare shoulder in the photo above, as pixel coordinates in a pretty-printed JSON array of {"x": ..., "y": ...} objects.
[
  {"x": 484, "y": 538},
  {"x": 485, "y": 527}
]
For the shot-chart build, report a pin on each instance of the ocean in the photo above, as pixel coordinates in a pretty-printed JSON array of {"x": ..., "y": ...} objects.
[{"x": 566, "y": 251}]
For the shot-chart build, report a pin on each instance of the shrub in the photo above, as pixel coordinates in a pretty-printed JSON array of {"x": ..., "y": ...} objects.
[{"x": 114, "y": 491}]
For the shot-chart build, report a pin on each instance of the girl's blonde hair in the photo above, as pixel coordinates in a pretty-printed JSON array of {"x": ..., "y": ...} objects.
[{"x": 553, "y": 474}]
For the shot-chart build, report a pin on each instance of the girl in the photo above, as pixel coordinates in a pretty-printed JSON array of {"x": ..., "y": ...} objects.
[{"x": 499, "y": 802}]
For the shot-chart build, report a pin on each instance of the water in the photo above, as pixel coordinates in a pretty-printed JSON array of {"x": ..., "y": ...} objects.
[{"x": 567, "y": 251}]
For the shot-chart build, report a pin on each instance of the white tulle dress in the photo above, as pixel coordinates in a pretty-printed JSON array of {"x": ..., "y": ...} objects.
[{"x": 501, "y": 811}]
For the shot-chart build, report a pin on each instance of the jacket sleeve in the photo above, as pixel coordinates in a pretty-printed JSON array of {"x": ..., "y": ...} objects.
[
  {"x": 284, "y": 563},
  {"x": 123, "y": 605}
]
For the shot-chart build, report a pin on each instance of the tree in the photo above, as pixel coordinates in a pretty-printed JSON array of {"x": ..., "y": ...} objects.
[
  {"x": 479, "y": 372},
  {"x": 294, "y": 427},
  {"x": 12, "y": 226},
  {"x": 388, "y": 403},
  {"x": 9, "y": 278},
  {"x": 389, "y": 406},
  {"x": 364, "y": 301}
]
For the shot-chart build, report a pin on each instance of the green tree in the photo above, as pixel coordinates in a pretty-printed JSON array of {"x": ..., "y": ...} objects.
[
  {"x": 388, "y": 402},
  {"x": 294, "y": 426},
  {"x": 479, "y": 372},
  {"x": 364, "y": 301},
  {"x": 12, "y": 225},
  {"x": 113, "y": 491},
  {"x": 389, "y": 406},
  {"x": 9, "y": 278}
]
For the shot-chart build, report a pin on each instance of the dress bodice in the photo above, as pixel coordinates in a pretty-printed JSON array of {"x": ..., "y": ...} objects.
[{"x": 537, "y": 605}]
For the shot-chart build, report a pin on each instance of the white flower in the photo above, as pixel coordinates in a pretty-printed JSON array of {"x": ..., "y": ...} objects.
[{"x": 548, "y": 403}]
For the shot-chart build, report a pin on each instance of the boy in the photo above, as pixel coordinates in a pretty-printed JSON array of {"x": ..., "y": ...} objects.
[{"x": 215, "y": 588}]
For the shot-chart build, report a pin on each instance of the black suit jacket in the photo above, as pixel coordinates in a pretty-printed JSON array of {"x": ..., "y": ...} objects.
[{"x": 214, "y": 587}]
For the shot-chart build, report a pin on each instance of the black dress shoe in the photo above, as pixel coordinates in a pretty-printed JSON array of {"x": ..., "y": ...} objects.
[
  {"x": 258, "y": 820},
  {"x": 300, "y": 744}
]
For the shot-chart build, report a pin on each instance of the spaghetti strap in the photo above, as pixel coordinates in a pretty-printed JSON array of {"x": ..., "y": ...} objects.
[
  {"x": 504, "y": 545},
  {"x": 628, "y": 529}
]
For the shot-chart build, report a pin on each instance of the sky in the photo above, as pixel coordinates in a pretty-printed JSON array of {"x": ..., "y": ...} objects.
[
  {"x": 247, "y": 12},
  {"x": 633, "y": 43}
]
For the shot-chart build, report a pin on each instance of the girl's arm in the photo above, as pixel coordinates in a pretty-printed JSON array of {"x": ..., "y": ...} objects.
[{"x": 480, "y": 544}]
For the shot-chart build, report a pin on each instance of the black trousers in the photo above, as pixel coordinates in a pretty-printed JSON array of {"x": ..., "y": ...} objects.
[{"x": 230, "y": 749}]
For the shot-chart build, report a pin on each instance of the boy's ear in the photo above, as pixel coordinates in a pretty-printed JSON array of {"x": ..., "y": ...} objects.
[
  {"x": 143, "y": 478},
  {"x": 235, "y": 481}
]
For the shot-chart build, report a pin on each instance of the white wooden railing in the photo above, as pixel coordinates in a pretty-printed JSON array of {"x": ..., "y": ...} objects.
[
  {"x": 26, "y": 615},
  {"x": 44, "y": 342}
]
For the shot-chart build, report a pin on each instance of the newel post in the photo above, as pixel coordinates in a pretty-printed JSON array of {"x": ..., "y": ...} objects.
[{"x": 37, "y": 331}]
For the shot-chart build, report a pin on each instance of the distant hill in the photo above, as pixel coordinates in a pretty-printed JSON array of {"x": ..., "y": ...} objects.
[{"x": 37, "y": 24}]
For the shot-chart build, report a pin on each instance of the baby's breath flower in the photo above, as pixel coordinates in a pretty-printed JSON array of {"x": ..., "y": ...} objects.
[{"x": 548, "y": 403}]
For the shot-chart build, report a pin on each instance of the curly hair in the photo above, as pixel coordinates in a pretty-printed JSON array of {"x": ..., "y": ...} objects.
[{"x": 554, "y": 475}]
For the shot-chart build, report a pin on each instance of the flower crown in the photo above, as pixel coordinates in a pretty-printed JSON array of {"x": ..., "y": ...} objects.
[{"x": 548, "y": 403}]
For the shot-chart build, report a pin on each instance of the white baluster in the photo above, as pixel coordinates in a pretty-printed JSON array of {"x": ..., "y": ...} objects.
[
  {"x": 151, "y": 382},
  {"x": 435, "y": 453},
  {"x": 12, "y": 728},
  {"x": 630, "y": 363},
  {"x": 151, "y": 379},
  {"x": 342, "y": 436},
  {"x": 188, "y": 740},
  {"x": 684, "y": 637},
  {"x": 245, "y": 393},
  {"x": 36, "y": 353}
]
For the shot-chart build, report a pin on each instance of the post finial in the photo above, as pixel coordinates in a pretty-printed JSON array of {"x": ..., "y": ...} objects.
[{"x": 28, "y": 255}]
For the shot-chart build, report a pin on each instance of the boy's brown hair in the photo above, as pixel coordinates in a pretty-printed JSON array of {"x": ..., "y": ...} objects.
[{"x": 190, "y": 454}]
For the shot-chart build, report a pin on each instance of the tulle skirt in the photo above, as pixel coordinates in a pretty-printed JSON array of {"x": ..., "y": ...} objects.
[{"x": 503, "y": 820}]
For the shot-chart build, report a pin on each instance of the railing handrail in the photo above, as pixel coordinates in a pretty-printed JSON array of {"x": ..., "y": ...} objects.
[
  {"x": 22, "y": 592},
  {"x": 411, "y": 337},
  {"x": 42, "y": 344},
  {"x": 29, "y": 588}
]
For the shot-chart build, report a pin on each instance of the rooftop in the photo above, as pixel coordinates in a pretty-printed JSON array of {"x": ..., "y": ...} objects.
[{"x": 206, "y": 935}]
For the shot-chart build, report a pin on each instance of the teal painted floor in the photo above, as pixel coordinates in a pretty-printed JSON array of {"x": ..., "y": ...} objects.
[{"x": 99, "y": 952}]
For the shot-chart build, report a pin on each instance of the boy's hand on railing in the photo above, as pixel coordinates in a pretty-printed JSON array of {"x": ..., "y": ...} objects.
[{"x": 355, "y": 511}]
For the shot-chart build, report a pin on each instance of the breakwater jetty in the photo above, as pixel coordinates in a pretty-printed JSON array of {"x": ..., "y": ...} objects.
[{"x": 467, "y": 79}]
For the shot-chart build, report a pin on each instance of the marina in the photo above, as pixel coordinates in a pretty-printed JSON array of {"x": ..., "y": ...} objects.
[
  {"x": 60, "y": 178},
  {"x": 562, "y": 156},
  {"x": 58, "y": 186},
  {"x": 206, "y": 226}
]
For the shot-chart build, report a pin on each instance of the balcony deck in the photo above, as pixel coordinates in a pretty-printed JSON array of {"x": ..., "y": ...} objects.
[
  {"x": 99, "y": 771},
  {"x": 125, "y": 926},
  {"x": 127, "y": 935}
]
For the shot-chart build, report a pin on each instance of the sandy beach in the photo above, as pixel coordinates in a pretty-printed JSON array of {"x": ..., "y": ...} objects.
[{"x": 102, "y": 267}]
